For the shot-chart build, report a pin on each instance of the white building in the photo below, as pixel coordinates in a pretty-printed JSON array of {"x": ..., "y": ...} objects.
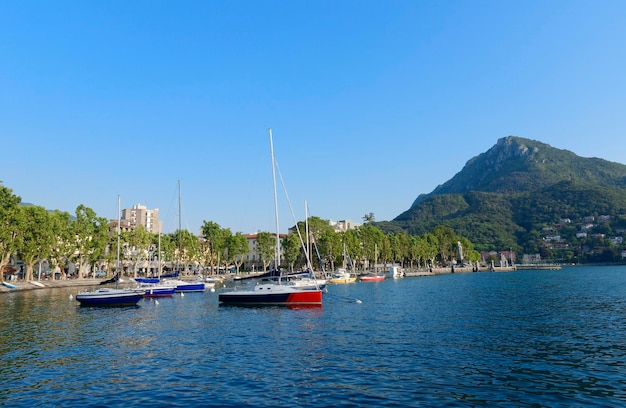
[{"x": 141, "y": 215}]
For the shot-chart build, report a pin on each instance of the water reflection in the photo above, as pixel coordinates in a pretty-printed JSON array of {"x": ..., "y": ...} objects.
[{"x": 518, "y": 339}]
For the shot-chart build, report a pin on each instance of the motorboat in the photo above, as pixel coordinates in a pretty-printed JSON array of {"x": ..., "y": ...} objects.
[
  {"x": 341, "y": 275},
  {"x": 372, "y": 277}
]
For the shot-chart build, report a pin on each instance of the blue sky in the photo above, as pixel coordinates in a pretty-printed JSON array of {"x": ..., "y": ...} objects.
[{"x": 371, "y": 102}]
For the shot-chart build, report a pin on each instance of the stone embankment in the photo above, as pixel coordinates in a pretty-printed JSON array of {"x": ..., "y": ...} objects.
[
  {"x": 48, "y": 284},
  {"x": 440, "y": 271}
]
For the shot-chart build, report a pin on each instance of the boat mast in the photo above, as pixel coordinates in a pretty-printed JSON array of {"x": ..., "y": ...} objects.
[
  {"x": 119, "y": 220},
  {"x": 179, "y": 231},
  {"x": 309, "y": 263},
  {"x": 277, "y": 246},
  {"x": 159, "y": 253}
]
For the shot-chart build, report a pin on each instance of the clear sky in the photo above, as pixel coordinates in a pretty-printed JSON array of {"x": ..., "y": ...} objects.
[{"x": 371, "y": 102}]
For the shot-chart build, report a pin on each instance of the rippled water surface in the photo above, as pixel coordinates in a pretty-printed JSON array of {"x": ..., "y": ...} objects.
[{"x": 527, "y": 338}]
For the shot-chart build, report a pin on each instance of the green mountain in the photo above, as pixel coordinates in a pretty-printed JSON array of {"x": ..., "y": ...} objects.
[{"x": 518, "y": 191}]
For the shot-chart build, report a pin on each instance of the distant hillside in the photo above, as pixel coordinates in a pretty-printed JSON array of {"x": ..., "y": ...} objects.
[
  {"x": 507, "y": 196},
  {"x": 516, "y": 164}
]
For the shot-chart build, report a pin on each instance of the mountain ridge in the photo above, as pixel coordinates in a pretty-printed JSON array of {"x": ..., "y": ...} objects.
[
  {"x": 510, "y": 164},
  {"x": 507, "y": 195}
]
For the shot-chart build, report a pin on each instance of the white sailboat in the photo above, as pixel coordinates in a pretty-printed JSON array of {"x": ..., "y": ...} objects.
[
  {"x": 157, "y": 289},
  {"x": 279, "y": 293}
]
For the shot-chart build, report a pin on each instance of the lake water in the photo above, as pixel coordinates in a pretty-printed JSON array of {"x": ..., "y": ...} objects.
[{"x": 527, "y": 338}]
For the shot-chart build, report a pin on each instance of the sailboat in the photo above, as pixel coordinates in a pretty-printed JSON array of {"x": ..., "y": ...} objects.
[
  {"x": 374, "y": 276},
  {"x": 178, "y": 284},
  {"x": 341, "y": 275},
  {"x": 156, "y": 289},
  {"x": 111, "y": 296},
  {"x": 276, "y": 293}
]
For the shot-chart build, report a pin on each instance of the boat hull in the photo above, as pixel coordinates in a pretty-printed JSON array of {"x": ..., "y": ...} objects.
[
  {"x": 9, "y": 285},
  {"x": 191, "y": 287},
  {"x": 342, "y": 280},
  {"x": 109, "y": 297},
  {"x": 182, "y": 286},
  {"x": 372, "y": 278},
  {"x": 159, "y": 292},
  {"x": 147, "y": 280},
  {"x": 273, "y": 295}
]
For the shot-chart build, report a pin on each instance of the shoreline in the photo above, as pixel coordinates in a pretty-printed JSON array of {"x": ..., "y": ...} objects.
[
  {"x": 72, "y": 283},
  {"x": 49, "y": 284},
  {"x": 66, "y": 283}
]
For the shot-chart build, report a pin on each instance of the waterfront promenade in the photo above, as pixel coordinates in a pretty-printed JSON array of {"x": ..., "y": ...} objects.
[{"x": 48, "y": 284}]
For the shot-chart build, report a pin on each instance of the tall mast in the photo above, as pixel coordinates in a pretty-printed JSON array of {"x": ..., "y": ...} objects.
[
  {"x": 119, "y": 220},
  {"x": 277, "y": 247},
  {"x": 159, "y": 252},
  {"x": 309, "y": 263},
  {"x": 179, "y": 231},
  {"x": 179, "y": 225}
]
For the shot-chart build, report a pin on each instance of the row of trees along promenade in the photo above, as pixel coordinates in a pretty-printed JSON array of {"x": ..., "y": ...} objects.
[{"x": 35, "y": 236}]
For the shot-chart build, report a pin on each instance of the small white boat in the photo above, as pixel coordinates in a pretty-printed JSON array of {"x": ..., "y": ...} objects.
[
  {"x": 184, "y": 286},
  {"x": 155, "y": 290}
]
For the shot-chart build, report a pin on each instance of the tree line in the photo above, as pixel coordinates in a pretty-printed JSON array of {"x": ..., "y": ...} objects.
[{"x": 34, "y": 235}]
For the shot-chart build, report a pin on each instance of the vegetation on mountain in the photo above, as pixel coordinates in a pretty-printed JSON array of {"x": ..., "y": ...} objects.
[{"x": 516, "y": 195}]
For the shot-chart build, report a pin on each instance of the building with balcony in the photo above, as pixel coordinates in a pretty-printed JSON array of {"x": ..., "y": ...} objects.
[{"x": 138, "y": 215}]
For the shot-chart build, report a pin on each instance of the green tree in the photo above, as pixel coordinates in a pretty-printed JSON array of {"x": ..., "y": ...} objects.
[
  {"x": 10, "y": 225},
  {"x": 431, "y": 247},
  {"x": 139, "y": 243},
  {"x": 446, "y": 238},
  {"x": 354, "y": 247},
  {"x": 292, "y": 249},
  {"x": 237, "y": 249},
  {"x": 214, "y": 242},
  {"x": 400, "y": 247},
  {"x": 371, "y": 241},
  {"x": 330, "y": 247},
  {"x": 188, "y": 250},
  {"x": 63, "y": 246},
  {"x": 90, "y": 234},
  {"x": 37, "y": 237},
  {"x": 266, "y": 246}
]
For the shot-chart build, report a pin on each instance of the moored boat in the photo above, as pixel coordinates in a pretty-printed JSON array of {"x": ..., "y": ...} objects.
[
  {"x": 341, "y": 275},
  {"x": 372, "y": 277},
  {"x": 184, "y": 286},
  {"x": 114, "y": 279},
  {"x": 9, "y": 285},
  {"x": 109, "y": 297},
  {"x": 272, "y": 294},
  {"x": 278, "y": 293},
  {"x": 155, "y": 290}
]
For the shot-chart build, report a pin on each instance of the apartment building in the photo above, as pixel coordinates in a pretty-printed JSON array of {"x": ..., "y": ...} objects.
[
  {"x": 344, "y": 225},
  {"x": 253, "y": 259},
  {"x": 141, "y": 215}
]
